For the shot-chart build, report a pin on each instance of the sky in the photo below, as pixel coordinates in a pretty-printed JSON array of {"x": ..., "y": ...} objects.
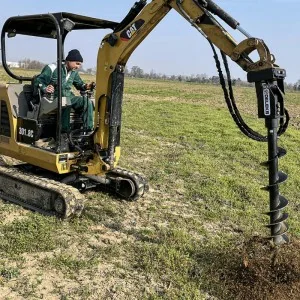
[{"x": 174, "y": 47}]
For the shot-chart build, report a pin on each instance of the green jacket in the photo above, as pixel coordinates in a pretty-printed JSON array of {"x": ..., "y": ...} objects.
[{"x": 49, "y": 76}]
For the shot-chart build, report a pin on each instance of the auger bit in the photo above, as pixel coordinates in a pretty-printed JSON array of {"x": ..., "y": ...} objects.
[{"x": 270, "y": 90}]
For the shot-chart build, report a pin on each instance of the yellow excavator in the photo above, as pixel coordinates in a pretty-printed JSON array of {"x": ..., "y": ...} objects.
[{"x": 50, "y": 180}]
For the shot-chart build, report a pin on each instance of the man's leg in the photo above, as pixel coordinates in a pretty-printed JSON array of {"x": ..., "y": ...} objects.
[
  {"x": 65, "y": 119},
  {"x": 84, "y": 106}
]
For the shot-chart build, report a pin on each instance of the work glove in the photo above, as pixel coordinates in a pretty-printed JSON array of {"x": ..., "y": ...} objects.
[
  {"x": 49, "y": 89},
  {"x": 90, "y": 86}
]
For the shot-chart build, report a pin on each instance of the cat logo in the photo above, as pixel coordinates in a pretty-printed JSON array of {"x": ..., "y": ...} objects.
[{"x": 131, "y": 30}]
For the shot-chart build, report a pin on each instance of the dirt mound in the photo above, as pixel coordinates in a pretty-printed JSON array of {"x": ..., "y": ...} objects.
[{"x": 264, "y": 271}]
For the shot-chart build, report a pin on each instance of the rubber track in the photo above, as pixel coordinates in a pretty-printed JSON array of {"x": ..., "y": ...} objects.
[
  {"x": 74, "y": 200},
  {"x": 140, "y": 182}
]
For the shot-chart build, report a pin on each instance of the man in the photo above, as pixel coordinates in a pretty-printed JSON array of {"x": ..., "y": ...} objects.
[{"x": 47, "y": 81}]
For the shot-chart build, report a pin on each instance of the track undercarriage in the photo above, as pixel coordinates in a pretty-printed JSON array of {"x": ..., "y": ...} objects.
[{"x": 49, "y": 194}]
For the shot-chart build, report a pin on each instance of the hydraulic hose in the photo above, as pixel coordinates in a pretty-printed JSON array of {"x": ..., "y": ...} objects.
[
  {"x": 134, "y": 11},
  {"x": 231, "y": 104}
]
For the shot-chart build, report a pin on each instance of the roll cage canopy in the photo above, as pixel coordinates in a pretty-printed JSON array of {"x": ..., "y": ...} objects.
[
  {"x": 51, "y": 25},
  {"x": 43, "y": 25}
]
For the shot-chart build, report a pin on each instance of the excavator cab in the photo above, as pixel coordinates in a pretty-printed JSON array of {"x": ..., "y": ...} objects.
[
  {"x": 37, "y": 114},
  {"x": 50, "y": 179}
]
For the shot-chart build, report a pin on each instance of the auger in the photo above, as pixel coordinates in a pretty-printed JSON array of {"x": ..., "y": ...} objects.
[
  {"x": 270, "y": 89},
  {"x": 269, "y": 85}
]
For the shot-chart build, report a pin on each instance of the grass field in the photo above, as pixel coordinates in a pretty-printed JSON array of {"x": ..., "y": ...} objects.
[{"x": 197, "y": 234}]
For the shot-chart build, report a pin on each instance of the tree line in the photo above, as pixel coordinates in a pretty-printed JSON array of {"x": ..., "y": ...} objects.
[
  {"x": 137, "y": 72},
  {"x": 30, "y": 64}
]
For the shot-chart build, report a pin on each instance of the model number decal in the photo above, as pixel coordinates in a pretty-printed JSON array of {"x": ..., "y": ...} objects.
[
  {"x": 267, "y": 102},
  {"x": 131, "y": 30},
  {"x": 26, "y": 132}
]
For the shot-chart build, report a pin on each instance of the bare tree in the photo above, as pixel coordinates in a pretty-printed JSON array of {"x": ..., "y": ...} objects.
[{"x": 137, "y": 72}]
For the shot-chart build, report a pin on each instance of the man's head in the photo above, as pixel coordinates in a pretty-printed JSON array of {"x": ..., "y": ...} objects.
[{"x": 74, "y": 60}]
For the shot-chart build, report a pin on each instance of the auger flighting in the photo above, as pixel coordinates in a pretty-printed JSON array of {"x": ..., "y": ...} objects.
[{"x": 271, "y": 108}]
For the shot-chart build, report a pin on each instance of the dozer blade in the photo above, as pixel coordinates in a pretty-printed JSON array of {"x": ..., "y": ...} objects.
[
  {"x": 129, "y": 185},
  {"x": 126, "y": 184},
  {"x": 39, "y": 194}
]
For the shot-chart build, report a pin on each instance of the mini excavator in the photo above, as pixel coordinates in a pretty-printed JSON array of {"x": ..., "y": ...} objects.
[{"x": 51, "y": 180}]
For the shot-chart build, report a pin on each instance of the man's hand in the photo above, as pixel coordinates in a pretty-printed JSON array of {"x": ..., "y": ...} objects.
[
  {"x": 49, "y": 89},
  {"x": 90, "y": 86}
]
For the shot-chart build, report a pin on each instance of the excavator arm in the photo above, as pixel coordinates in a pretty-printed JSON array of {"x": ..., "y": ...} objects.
[{"x": 117, "y": 47}]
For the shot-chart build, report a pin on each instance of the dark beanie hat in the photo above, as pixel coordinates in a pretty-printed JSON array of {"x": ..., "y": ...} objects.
[{"x": 74, "y": 55}]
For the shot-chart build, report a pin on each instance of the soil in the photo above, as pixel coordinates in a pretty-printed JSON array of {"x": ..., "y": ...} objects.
[{"x": 263, "y": 271}]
